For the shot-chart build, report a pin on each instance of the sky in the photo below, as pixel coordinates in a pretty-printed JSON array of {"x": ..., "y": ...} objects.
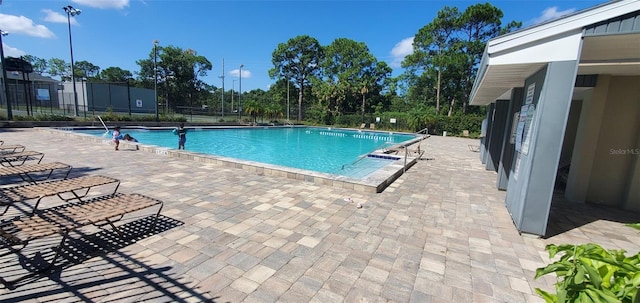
[{"x": 117, "y": 33}]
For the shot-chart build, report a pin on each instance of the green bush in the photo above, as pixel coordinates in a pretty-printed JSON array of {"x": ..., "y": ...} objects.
[
  {"x": 50, "y": 117},
  {"x": 454, "y": 125},
  {"x": 590, "y": 273}
]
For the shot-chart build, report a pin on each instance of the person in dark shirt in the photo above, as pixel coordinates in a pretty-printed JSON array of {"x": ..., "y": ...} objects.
[
  {"x": 182, "y": 136},
  {"x": 128, "y": 137}
]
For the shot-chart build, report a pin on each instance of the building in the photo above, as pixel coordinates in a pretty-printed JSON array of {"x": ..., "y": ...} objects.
[
  {"x": 27, "y": 91},
  {"x": 563, "y": 112}
]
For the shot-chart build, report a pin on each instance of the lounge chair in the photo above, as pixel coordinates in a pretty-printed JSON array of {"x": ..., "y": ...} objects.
[
  {"x": 372, "y": 126},
  {"x": 363, "y": 125},
  {"x": 26, "y": 171},
  {"x": 67, "y": 190},
  {"x": 11, "y": 148},
  {"x": 64, "y": 219},
  {"x": 19, "y": 158}
]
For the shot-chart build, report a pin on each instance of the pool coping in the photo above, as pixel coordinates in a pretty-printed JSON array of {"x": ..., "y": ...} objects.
[{"x": 375, "y": 182}]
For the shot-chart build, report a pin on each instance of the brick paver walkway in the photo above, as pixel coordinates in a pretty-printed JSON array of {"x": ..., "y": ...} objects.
[{"x": 440, "y": 233}]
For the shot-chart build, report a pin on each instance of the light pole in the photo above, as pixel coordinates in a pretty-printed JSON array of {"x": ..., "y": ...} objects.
[
  {"x": 288, "y": 101},
  {"x": 84, "y": 98},
  {"x": 155, "y": 76},
  {"x": 129, "y": 95},
  {"x": 233, "y": 86},
  {"x": 240, "y": 94},
  {"x": 71, "y": 11},
  {"x": 222, "y": 77},
  {"x": 4, "y": 77}
]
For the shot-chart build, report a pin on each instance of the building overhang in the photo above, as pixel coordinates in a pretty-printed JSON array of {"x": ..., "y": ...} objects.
[{"x": 509, "y": 59}]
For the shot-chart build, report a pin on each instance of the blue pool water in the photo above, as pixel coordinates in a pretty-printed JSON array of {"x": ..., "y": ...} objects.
[{"x": 334, "y": 151}]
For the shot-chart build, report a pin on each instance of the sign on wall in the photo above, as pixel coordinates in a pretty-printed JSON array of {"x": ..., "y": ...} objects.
[
  {"x": 42, "y": 94},
  {"x": 527, "y": 113}
]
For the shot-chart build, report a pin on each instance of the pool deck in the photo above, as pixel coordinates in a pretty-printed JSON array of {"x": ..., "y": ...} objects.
[{"x": 439, "y": 233}]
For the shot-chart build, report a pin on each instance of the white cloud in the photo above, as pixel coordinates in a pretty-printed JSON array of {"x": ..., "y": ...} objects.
[
  {"x": 12, "y": 51},
  {"x": 57, "y": 17},
  {"x": 104, "y": 4},
  {"x": 551, "y": 13},
  {"x": 23, "y": 25},
  {"x": 401, "y": 50},
  {"x": 245, "y": 73}
]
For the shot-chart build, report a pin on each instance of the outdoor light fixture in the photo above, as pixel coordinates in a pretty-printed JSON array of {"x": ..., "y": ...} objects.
[
  {"x": 4, "y": 76},
  {"x": 155, "y": 75},
  {"x": 71, "y": 11},
  {"x": 240, "y": 94}
]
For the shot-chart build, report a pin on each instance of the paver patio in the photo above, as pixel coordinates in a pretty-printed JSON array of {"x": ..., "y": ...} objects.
[{"x": 440, "y": 233}]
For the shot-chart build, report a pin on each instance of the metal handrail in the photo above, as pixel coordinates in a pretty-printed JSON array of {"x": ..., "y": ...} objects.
[{"x": 424, "y": 130}]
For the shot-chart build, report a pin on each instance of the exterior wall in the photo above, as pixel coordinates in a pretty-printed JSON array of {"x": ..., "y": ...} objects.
[
  {"x": 633, "y": 197},
  {"x": 572, "y": 129},
  {"x": 22, "y": 93},
  {"x": 605, "y": 167},
  {"x": 487, "y": 124},
  {"x": 505, "y": 168},
  {"x": 531, "y": 185},
  {"x": 587, "y": 136},
  {"x": 117, "y": 97},
  {"x": 497, "y": 134},
  {"x": 616, "y": 151}
]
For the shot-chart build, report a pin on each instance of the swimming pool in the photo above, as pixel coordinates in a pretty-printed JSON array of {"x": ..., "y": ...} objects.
[{"x": 334, "y": 151}]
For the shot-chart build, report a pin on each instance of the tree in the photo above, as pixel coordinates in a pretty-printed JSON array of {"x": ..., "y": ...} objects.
[
  {"x": 430, "y": 46},
  {"x": 348, "y": 73},
  {"x": 178, "y": 73},
  {"x": 59, "y": 68},
  {"x": 450, "y": 48},
  {"x": 39, "y": 64},
  {"x": 478, "y": 24},
  {"x": 297, "y": 59},
  {"x": 86, "y": 69},
  {"x": 254, "y": 109},
  {"x": 115, "y": 74}
]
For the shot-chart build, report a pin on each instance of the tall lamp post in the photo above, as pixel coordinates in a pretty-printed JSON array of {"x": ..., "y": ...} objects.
[
  {"x": 84, "y": 98},
  {"x": 4, "y": 77},
  {"x": 155, "y": 76},
  {"x": 71, "y": 11},
  {"x": 222, "y": 77},
  {"x": 240, "y": 94}
]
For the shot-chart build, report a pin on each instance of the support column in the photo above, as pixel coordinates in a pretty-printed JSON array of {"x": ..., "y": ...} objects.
[
  {"x": 497, "y": 134},
  {"x": 508, "y": 148},
  {"x": 587, "y": 136},
  {"x": 484, "y": 141},
  {"x": 530, "y": 188}
]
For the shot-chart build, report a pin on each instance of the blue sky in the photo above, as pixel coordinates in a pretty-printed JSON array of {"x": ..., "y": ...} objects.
[{"x": 120, "y": 32}]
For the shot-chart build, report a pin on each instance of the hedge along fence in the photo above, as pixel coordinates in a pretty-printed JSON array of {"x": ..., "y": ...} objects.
[
  {"x": 457, "y": 124},
  {"x": 410, "y": 122}
]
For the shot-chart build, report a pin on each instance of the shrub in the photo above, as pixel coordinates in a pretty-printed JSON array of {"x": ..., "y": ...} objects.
[{"x": 590, "y": 273}]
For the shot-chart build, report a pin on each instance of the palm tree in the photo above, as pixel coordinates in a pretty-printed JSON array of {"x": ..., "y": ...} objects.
[
  {"x": 253, "y": 109},
  {"x": 273, "y": 111}
]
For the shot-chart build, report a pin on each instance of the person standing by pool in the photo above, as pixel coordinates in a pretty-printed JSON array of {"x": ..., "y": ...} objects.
[
  {"x": 182, "y": 135},
  {"x": 117, "y": 136}
]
